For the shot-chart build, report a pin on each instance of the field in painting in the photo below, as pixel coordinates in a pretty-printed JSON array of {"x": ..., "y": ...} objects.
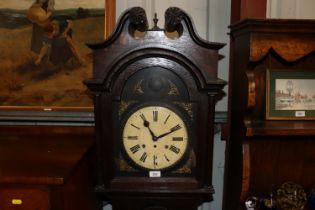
[{"x": 22, "y": 83}]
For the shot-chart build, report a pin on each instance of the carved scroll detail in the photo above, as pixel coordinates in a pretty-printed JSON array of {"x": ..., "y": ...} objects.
[
  {"x": 138, "y": 19},
  {"x": 173, "y": 18}
]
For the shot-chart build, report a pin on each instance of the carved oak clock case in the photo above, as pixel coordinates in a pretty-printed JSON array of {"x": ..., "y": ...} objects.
[{"x": 155, "y": 91}]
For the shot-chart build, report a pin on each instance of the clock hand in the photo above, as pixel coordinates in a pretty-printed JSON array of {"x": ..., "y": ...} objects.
[
  {"x": 175, "y": 128},
  {"x": 164, "y": 134},
  {"x": 147, "y": 125}
]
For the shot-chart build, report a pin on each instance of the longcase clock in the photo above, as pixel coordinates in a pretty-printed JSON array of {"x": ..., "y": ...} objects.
[{"x": 155, "y": 92}]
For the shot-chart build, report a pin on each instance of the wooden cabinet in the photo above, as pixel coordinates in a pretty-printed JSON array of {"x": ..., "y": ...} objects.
[
  {"x": 15, "y": 197},
  {"x": 46, "y": 168},
  {"x": 263, "y": 153}
]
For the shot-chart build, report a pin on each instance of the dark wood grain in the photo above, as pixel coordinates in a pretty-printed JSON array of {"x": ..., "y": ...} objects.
[
  {"x": 40, "y": 158},
  {"x": 30, "y": 198},
  {"x": 262, "y": 154},
  {"x": 47, "y": 167},
  {"x": 280, "y": 128},
  {"x": 190, "y": 60}
]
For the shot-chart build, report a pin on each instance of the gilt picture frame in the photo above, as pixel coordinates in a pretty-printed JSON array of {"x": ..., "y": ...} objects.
[
  {"x": 290, "y": 94},
  {"x": 52, "y": 89}
]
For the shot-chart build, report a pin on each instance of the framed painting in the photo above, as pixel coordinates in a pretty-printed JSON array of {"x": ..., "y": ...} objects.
[
  {"x": 290, "y": 95},
  {"x": 44, "y": 57}
]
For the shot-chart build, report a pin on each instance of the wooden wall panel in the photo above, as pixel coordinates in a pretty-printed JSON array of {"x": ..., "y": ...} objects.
[
  {"x": 243, "y": 9},
  {"x": 110, "y": 16}
]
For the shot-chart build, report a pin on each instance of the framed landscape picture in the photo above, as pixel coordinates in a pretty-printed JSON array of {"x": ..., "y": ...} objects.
[
  {"x": 44, "y": 57},
  {"x": 290, "y": 95}
]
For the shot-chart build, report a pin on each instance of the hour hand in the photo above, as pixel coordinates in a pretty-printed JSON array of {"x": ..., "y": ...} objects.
[{"x": 147, "y": 125}]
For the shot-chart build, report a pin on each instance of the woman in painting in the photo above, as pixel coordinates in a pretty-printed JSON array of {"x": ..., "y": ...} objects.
[
  {"x": 58, "y": 39},
  {"x": 51, "y": 37},
  {"x": 39, "y": 14}
]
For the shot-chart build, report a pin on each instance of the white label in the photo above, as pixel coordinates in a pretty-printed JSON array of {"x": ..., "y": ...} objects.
[
  {"x": 47, "y": 109},
  {"x": 300, "y": 113},
  {"x": 155, "y": 174}
]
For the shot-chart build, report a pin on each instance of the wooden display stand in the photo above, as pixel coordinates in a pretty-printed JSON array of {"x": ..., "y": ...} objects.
[
  {"x": 262, "y": 154},
  {"x": 46, "y": 168}
]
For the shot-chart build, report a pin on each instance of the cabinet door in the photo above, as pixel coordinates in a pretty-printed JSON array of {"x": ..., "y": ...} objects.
[{"x": 14, "y": 198}]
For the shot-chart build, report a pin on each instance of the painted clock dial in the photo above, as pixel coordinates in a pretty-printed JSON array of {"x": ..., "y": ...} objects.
[{"x": 155, "y": 137}]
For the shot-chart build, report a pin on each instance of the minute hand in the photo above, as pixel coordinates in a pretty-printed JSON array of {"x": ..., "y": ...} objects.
[{"x": 175, "y": 128}]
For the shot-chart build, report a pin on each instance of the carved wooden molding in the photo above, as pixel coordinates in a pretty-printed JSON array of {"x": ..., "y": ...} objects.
[
  {"x": 138, "y": 18},
  {"x": 164, "y": 47},
  {"x": 173, "y": 18},
  {"x": 294, "y": 39},
  {"x": 287, "y": 47}
]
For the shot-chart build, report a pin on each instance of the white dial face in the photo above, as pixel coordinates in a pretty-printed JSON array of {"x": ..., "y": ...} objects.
[{"x": 155, "y": 137}]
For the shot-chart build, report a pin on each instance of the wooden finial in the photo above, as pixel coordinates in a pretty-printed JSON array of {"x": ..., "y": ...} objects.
[{"x": 155, "y": 21}]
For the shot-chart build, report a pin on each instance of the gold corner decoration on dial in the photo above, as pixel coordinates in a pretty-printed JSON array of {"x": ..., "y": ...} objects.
[{"x": 155, "y": 137}]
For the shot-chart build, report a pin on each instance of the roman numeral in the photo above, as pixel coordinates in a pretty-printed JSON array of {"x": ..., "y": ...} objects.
[
  {"x": 174, "y": 149},
  {"x": 135, "y": 126},
  {"x": 166, "y": 158},
  {"x": 143, "y": 117},
  {"x": 154, "y": 160},
  {"x": 144, "y": 157},
  {"x": 155, "y": 116},
  {"x": 135, "y": 148},
  {"x": 175, "y": 128},
  {"x": 132, "y": 137},
  {"x": 167, "y": 119},
  {"x": 178, "y": 138}
]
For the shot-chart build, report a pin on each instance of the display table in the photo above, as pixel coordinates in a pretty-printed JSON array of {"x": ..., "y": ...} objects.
[{"x": 46, "y": 168}]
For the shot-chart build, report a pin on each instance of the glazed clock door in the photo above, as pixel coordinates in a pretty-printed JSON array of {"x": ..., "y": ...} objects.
[{"x": 156, "y": 125}]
